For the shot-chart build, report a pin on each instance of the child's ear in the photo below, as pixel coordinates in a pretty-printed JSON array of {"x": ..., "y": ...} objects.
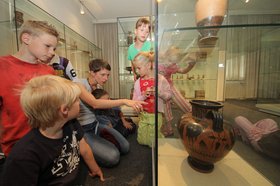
[
  {"x": 26, "y": 38},
  {"x": 64, "y": 110}
]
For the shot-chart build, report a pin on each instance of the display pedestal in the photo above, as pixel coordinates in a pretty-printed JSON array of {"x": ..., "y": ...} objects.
[
  {"x": 173, "y": 168},
  {"x": 269, "y": 108}
]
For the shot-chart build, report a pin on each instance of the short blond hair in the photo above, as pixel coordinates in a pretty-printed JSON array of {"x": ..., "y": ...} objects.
[
  {"x": 42, "y": 97},
  {"x": 143, "y": 58},
  {"x": 173, "y": 54},
  {"x": 37, "y": 28}
]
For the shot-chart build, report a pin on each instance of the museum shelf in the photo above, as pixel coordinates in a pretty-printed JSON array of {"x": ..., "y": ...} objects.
[{"x": 71, "y": 45}]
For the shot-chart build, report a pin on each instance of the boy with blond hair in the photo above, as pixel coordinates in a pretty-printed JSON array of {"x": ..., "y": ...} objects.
[{"x": 50, "y": 153}]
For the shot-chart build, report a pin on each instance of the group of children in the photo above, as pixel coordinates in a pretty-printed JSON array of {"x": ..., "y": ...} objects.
[
  {"x": 41, "y": 109},
  {"x": 42, "y": 140},
  {"x": 51, "y": 127}
]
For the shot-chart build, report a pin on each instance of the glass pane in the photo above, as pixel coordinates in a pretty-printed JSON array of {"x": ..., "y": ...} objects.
[
  {"x": 33, "y": 12},
  {"x": 77, "y": 52},
  {"x": 71, "y": 45},
  {"x": 8, "y": 28},
  {"x": 126, "y": 28},
  {"x": 237, "y": 66}
]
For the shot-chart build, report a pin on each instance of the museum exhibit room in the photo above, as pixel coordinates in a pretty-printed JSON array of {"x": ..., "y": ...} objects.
[{"x": 194, "y": 89}]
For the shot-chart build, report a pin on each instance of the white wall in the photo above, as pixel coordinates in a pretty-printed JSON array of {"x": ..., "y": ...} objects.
[{"x": 68, "y": 12}]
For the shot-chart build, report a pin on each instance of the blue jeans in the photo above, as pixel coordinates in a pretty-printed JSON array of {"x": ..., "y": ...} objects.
[
  {"x": 105, "y": 120},
  {"x": 124, "y": 145},
  {"x": 105, "y": 153}
]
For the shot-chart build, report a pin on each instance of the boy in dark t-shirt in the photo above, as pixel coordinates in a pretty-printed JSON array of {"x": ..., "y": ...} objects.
[{"x": 50, "y": 154}]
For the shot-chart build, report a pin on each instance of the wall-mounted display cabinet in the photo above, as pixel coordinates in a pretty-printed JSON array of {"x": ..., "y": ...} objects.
[{"x": 71, "y": 45}]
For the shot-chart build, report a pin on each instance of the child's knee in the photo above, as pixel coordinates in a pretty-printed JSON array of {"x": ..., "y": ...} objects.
[{"x": 238, "y": 119}]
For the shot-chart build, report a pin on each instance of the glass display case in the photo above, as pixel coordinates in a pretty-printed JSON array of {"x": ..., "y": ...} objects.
[
  {"x": 205, "y": 79},
  {"x": 71, "y": 45},
  {"x": 238, "y": 59},
  {"x": 79, "y": 51},
  {"x": 8, "y": 28},
  {"x": 126, "y": 29}
]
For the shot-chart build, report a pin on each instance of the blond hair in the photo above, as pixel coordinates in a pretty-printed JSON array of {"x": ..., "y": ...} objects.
[
  {"x": 144, "y": 58},
  {"x": 173, "y": 54},
  {"x": 42, "y": 97},
  {"x": 37, "y": 28}
]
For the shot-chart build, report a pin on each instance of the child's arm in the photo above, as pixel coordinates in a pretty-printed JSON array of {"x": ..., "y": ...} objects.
[
  {"x": 186, "y": 69},
  {"x": 88, "y": 157},
  {"x": 137, "y": 94},
  {"x": 164, "y": 90},
  {"x": 126, "y": 124},
  {"x": 191, "y": 60},
  {"x": 98, "y": 103}
]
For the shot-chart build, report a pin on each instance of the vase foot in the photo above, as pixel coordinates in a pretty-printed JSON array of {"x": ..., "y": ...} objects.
[
  {"x": 200, "y": 166},
  {"x": 207, "y": 41}
]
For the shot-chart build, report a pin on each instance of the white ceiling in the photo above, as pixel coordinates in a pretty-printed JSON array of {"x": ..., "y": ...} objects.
[
  {"x": 104, "y": 11},
  {"x": 110, "y": 10}
]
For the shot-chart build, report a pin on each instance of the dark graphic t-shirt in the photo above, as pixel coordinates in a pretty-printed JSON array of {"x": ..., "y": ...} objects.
[{"x": 37, "y": 160}]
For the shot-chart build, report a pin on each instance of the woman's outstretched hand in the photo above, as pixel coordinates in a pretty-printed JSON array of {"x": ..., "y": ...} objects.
[{"x": 136, "y": 105}]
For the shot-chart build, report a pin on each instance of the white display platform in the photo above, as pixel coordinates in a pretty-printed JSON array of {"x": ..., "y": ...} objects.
[
  {"x": 173, "y": 169},
  {"x": 269, "y": 108}
]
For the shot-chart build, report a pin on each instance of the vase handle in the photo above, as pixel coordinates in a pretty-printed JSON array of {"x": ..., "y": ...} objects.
[{"x": 217, "y": 119}]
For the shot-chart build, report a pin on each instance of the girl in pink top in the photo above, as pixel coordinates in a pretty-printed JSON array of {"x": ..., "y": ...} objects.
[
  {"x": 169, "y": 65},
  {"x": 144, "y": 89}
]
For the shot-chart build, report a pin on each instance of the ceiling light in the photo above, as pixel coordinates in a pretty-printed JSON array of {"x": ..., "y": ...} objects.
[
  {"x": 247, "y": 1},
  {"x": 82, "y": 11}
]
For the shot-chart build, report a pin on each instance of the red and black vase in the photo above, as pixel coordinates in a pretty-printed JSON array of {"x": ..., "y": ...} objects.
[{"x": 207, "y": 141}]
